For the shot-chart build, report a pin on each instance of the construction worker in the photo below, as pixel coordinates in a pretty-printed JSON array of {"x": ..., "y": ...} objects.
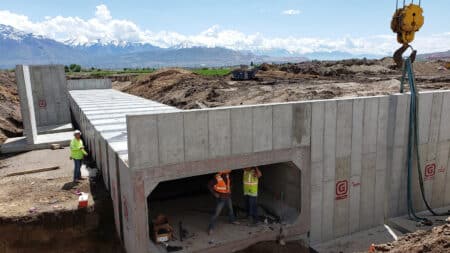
[
  {"x": 77, "y": 153},
  {"x": 250, "y": 179},
  {"x": 220, "y": 188}
]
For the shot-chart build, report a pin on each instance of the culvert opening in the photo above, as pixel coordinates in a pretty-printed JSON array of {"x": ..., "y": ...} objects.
[{"x": 188, "y": 205}]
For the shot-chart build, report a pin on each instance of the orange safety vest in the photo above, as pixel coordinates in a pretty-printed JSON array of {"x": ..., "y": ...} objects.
[{"x": 221, "y": 186}]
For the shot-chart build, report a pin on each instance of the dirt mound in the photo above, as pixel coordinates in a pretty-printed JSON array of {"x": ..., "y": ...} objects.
[
  {"x": 436, "y": 240},
  {"x": 282, "y": 83},
  {"x": 177, "y": 87},
  {"x": 345, "y": 68},
  {"x": 10, "y": 117}
]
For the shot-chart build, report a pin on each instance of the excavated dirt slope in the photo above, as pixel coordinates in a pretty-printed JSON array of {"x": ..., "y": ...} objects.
[
  {"x": 282, "y": 83},
  {"x": 10, "y": 117}
]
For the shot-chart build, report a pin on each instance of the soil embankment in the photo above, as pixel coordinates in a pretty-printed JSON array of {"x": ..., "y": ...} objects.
[
  {"x": 10, "y": 117},
  {"x": 282, "y": 83},
  {"x": 39, "y": 210}
]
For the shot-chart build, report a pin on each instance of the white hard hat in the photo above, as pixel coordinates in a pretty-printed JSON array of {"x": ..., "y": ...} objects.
[{"x": 77, "y": 132}]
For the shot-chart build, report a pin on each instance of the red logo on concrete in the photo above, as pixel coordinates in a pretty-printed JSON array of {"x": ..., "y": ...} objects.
[
  {"x": 355, "y": 184},
  {"x": 430, "y": 171},
  {"x": 42, "y": 103},
  {"x": 341, "y": 189}
]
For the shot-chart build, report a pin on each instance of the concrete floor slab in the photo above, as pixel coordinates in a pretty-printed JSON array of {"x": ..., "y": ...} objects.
[
  {"x": 195, "y": 213},
  {"x": 55, "y": 128},
  {"x": 406, "y": 225},
  {"x": 43, "y": 141},
  {"x": 357, "y": 242}
]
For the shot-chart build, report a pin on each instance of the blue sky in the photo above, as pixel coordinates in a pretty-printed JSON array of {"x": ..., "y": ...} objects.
[{"x": 352, "y": 22}]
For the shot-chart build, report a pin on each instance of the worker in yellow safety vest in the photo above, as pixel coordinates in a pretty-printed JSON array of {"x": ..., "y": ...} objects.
[
  {"x": 251, "y": 179},
  {"x": 220, "y": 187},
  {"x": 77, "y": 153}
]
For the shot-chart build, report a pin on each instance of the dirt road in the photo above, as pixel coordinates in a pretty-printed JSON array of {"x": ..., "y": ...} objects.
[{"x": 35, "y": 193}]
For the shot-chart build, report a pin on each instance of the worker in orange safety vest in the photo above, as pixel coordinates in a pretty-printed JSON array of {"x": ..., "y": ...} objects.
[{"x": 220, "y": 187}]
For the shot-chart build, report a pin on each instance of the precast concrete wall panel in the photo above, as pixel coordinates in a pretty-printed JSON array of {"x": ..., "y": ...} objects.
[
  {"x": 343, "y": 162},
  {"x": 282, "y": 126},
  {"x": 356, "y": 164},
  {"x": 115, "y": 188},
  {"x": 241, "y": 131},
  {"x": 50, "y": 95},
  {"x": 262, "y": 128},
  {"x": 89, "y": 84},
  {"x": 44, "y": 98},
  {"x": 329, "y": 174},
  {"x": 217, "y": 132},
  {"x": 317, "y": 157},
  {"x": 219, "y": 129},
  {"x": 301, "y": 129},
  {"x": 368, "y": 169},
  {"x": 170, "y": 138},
  {"x": 381, "y": 159}
]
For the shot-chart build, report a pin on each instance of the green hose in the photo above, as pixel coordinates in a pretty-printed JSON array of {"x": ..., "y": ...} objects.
[{"x": 413, "y": 145}]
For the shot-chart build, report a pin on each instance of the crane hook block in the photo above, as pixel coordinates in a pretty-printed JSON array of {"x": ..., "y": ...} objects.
[{"x": 406, "y": 22}]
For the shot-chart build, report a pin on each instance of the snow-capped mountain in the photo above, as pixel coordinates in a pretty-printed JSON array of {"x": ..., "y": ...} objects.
[
  {"x": 9, "y": 32},
  {"x": 18, "y": 47}
]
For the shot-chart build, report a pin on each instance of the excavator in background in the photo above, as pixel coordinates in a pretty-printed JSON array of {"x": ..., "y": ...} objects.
[{"x": 407, "y": 20}]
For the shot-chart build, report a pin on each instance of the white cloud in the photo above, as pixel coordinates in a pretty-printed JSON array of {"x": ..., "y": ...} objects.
[
  {"x": 102, "y": 27},
  {"x": 290, "y": 12},
  {"x": 102, "y": 12}
]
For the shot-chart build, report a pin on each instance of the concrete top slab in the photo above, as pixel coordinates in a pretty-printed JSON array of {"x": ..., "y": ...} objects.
[{"x": 106, "y": 111}]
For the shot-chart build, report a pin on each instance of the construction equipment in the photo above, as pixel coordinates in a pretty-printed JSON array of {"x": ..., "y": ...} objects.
[
  {"x": 406, "y": 21},
  {"x": 244, "y": 73},
  {"x": 162, "y": 230}
]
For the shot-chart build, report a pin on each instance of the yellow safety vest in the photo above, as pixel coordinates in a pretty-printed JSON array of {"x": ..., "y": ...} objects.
[
  {"x": 75, "y": 149},
  {"x": 250, "y": 183}
]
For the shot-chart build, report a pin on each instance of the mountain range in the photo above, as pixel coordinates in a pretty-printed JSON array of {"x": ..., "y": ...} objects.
[{"x": 18, "y": 47}]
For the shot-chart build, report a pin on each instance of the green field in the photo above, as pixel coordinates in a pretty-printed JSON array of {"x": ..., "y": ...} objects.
[
  {"x": 212, "y": 72},
  {"x": 78, "y": 70},
  {"x": 103, "y": 73},
  {"x": 100, "y": 73}
]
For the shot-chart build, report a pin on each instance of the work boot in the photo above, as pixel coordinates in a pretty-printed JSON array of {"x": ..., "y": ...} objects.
[{"x": 252, "y": 222}]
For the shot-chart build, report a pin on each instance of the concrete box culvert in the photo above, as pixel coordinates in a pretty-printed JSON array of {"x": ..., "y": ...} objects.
[
  {"x": 351, "y": 152},
  {"x": 189, "y": 201}
]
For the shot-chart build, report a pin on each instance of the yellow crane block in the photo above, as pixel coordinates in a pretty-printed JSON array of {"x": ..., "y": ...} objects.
[{"x": 406, "y": 22}]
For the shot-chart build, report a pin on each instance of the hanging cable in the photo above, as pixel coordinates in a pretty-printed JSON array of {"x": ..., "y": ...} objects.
[{"x": 413, "y": 144}]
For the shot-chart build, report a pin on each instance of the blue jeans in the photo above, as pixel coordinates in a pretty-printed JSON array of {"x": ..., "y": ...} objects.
[
  {"x": 221, "y": 202},
  {"x": 77, "y": 169},
  {"x": 252, "y": 207}
]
